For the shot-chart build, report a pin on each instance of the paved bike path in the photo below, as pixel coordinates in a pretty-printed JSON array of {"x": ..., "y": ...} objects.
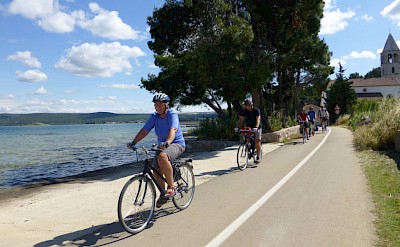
[{"x": 57, "y": 214}]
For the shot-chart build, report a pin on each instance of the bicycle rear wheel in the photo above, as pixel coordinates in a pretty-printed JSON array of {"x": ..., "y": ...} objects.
[
  {"x": 185, "y": 187},
  {"x": 304, "y": 135},
  {"x": 136, "y": 204},
  {"x": 242, "y": 156}
]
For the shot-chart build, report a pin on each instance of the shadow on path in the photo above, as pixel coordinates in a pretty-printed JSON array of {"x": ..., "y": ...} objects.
[{"x": 103, "y": 235}]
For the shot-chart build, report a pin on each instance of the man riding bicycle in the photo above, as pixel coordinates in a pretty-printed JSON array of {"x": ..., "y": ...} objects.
[
  {"x": 311, "y": 116},
  {"x": 165, "y": 121},
  {"x": 323, "y": 115},
  {"x": 253, "y": 121},
  {"x": 303, "y": 119}
]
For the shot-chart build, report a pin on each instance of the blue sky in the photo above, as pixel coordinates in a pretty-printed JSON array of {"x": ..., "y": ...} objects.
[{"x": 87, "y": 56}]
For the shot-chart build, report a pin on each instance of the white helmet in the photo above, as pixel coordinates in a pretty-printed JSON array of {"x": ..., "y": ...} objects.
[{"x": 161, "y": 97}]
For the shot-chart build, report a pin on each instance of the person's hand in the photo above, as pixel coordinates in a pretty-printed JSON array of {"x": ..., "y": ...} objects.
[
  {"x": 236, "y": 130},
  {"x": 163, "y": 145},
  {"x": 131, "y": 145}
]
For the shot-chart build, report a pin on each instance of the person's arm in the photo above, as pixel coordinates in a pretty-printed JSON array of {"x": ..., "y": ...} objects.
[
  {"x": 139, "y": 136},
  {"x": 239, "y": 124},
  {"x": 258, "y": 121},
  {"x": 171, "y": 135}
]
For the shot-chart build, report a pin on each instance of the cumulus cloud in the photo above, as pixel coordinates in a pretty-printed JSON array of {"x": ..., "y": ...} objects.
[
  {"x": 32, "y": 9},
  {"x": 120, "y": 86},
  {"x": 100, "y": 22},
  {"x": 335, "y": 62},
  {"x": 26, "y": 58},
  {"x": 363, "y": 54},
  {"x": 335, "y": 20},
  {"x": 367, "y": 18},
  {"x": 41, "y": 91},
  {"x": 58, "y": 22},
  {"x": 392, "y": 11},
  {"x": 31, "y": 76},
  {"x": 108, "y": 24},
  {"x": 99, "y": 60}
]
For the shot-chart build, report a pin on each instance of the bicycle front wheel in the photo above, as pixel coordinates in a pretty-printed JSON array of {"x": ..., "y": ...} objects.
[
  {"x": 242, "y": 156},
  {"x": 185, "y": 187},
  {"x": 136, "y": 204}
]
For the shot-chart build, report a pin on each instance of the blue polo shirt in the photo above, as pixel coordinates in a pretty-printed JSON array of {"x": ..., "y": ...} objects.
[{"x": 163, "y": 125}]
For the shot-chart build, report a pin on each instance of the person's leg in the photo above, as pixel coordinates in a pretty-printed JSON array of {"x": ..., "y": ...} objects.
[
  {"x": 166, "y": 168},
  {"x": 257, "y": 139}
]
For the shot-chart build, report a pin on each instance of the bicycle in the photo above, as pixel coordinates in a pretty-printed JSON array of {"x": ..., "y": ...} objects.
[
  {"x": 137, "y": 200},
  {"x": 303, "y": 130},
  {"x": 247, "y": 149}
]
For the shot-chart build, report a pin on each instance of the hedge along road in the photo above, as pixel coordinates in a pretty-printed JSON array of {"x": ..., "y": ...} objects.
[{"x": 323, "y": 202}]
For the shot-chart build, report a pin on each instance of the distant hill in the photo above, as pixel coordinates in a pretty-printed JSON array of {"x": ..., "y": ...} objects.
[{"x": 87, "y": 118}]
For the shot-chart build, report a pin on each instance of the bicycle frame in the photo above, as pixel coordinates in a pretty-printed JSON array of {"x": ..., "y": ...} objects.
[{"x": 249, "y": 139}]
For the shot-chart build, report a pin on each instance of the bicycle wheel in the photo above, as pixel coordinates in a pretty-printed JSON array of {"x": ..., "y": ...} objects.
[
  {"x": 136, "y": 204},
  {"x": 185, "y": 187},
  {"x": 242, "y": 156}
]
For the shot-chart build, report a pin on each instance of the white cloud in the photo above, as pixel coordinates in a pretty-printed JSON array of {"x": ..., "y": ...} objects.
[
  {"x": 108, "y": 24},
  {"x": 335, "y": 62},
  {"x": 392, "y": 11},
  {"x": 31, "y": 76},
  {"x": 100, "y": 22},
  {"x": 41, "y": 91},
  {"x": 32, "y": 9},
  {"x": 367, "y": 18},
  {"x": 99, "y": 60},
  {"x": 26, "y": 58},
  {"x": 58, "y": 22},
  {"x": 334, "y": 20},
  {"x": 363, "y": 54},
  {"x": 121, "y": 86}
]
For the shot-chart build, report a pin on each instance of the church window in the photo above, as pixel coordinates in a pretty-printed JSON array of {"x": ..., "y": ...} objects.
[
  {"x": 364, "y": 89},
  {"x": 392, "y": 70},
  {"x": 390, "y": 58}
]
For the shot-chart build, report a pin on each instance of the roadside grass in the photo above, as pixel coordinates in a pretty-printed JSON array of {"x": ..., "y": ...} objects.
[{"x": 382, "y": 170}]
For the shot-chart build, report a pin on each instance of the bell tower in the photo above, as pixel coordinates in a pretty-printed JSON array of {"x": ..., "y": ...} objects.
[{"x": 390, "y": 58}]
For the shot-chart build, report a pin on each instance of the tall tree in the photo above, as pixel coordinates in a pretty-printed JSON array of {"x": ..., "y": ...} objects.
[
  {"x": 200, "y": 47},
  {"x": 342, "y": 94}
]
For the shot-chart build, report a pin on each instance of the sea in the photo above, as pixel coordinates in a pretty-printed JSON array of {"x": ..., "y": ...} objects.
[{"x": 33, "y": 154}]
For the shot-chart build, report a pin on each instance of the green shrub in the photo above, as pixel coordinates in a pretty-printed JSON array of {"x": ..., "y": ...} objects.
[
  {"x": 385, "y": 121},
  {"x": 216, "y": 129}
]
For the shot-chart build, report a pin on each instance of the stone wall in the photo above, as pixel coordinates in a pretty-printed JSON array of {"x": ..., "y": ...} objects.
[
  {"x": 279, "y": 135},
  {"x": 194, "y": 145}
]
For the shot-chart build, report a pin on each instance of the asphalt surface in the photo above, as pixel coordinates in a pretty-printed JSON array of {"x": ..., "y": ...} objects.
[{"x": 312, "y": 194}]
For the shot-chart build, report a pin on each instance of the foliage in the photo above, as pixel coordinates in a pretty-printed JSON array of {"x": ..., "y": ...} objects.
[
  {"x": 374, "y": 73},
  {"x": 215, "y": 52},
  {"x": 380, "y": 133},
  {"x": 341, "y": 94},
  {"x": 216, "y": 129},
  {"x": 343, "y": 119},
  {"x": 355, "y": 75}
]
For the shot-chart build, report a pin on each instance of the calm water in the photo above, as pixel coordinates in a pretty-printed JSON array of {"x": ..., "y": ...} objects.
[{"x": 30, "y": 154}]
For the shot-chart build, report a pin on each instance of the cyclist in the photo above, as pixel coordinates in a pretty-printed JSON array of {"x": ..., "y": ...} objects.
[
  {"x": 323, "y": 115},
  {"x": 165, "y": 121},
  {"x": 303, "y": 119},
  {"x": 253, "y": 120},
  {"x": 311, "y": 116}
]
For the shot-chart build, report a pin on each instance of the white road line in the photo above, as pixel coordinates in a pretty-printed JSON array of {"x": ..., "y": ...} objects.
[{"x": 225, "y": 234}]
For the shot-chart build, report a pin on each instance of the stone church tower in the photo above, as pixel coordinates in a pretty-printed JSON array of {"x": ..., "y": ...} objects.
[{"x": 390, "y": 58}]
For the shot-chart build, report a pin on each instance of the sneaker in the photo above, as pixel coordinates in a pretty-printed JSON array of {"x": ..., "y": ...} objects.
[
  {"x": 257, "y": 159},
  {"x": 161, "y": 201},
  {"x": 170, "y": 192}
]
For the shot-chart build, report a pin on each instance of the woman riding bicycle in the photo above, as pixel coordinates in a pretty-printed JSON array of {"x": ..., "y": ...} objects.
[
  {"x": 303, "y": 119},
  {"x": 165, "y": 121}
]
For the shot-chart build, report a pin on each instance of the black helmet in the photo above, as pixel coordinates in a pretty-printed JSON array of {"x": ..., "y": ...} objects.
[{"x": 161, "y": 97}]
